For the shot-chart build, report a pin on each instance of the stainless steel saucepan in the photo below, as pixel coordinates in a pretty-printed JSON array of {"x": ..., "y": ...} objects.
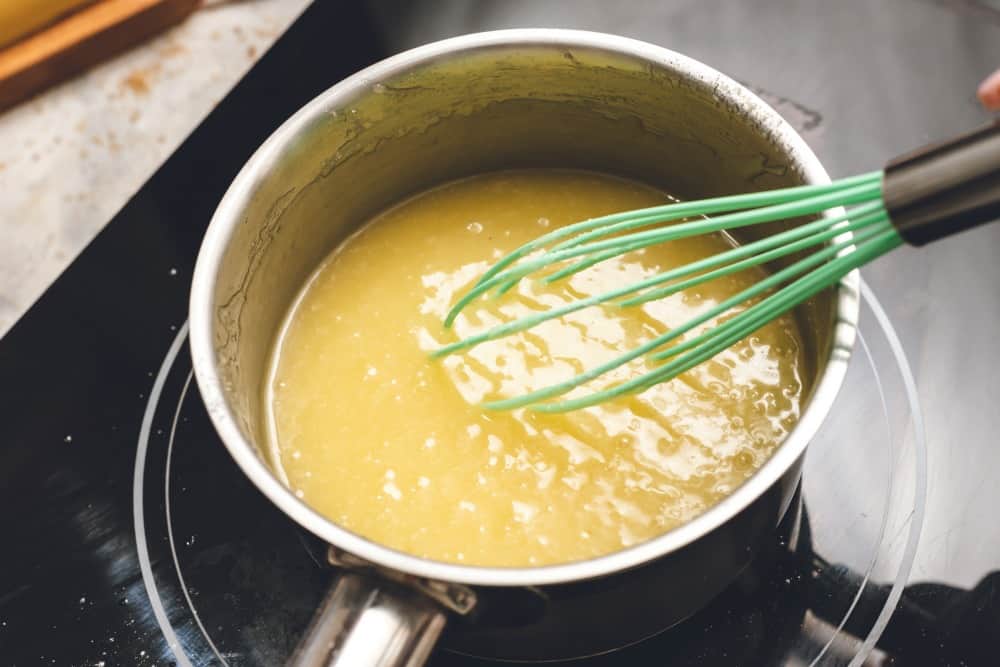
[{"x": 466, "y": 105}]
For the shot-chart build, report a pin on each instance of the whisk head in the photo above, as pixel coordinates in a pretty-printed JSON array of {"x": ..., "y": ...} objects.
[{"x": 837, "y": 244}]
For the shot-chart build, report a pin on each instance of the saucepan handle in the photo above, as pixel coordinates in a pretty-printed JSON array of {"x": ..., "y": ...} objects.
[{"x": 367, "y": 621}]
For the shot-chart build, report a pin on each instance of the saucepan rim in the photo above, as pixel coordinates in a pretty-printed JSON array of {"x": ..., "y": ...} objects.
[{"x": 229, "y": 214}]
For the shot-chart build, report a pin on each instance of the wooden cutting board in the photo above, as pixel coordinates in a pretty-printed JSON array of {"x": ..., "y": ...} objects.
[{"x": 80, "y": 40}]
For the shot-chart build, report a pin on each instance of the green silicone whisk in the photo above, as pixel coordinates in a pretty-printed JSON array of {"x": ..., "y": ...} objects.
[{"x": 935, "y": 192}]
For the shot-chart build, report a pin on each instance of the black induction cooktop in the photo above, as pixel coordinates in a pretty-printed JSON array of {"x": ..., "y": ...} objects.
[{"x": 130, "y": 538}]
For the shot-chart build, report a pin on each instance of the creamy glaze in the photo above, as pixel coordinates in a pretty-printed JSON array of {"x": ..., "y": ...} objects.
[{"x": 390, "y": 444}]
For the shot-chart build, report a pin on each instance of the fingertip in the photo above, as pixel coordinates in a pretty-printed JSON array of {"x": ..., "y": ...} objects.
[{"x": 989, "y": 92}]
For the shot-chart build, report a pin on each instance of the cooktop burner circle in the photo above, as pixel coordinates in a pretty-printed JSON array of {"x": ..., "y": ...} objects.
[{"x": 233, "y": 581}]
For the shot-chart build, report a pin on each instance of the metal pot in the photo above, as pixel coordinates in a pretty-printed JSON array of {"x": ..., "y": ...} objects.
[{"x": 449, "y": 109}]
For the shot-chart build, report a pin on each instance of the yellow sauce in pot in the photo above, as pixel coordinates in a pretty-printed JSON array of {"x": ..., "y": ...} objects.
[{"x": 393, "y": 445}]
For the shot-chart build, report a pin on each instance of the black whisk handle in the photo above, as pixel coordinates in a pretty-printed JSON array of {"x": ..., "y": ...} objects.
[{"x": 945, "y": 188}]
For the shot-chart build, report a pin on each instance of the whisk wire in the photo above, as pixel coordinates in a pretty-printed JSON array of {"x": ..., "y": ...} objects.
[
  {"x": 658, "y": 341},
  {"x": 805, "y": 206},
  {"x": 675, "y": 211},
  {"x": 729, "y": 203},
  {"x": 829, "y": 228},
  {"x": 757, "y": 316},
  {"x": 783, "y": 250},
  {"x": 797, "y": 268}
]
